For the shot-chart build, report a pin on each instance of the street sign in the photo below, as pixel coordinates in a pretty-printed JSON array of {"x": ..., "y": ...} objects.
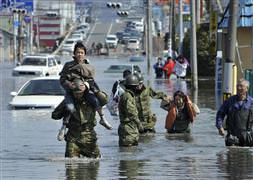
[
  {"x": 27, "y": 19},
  {"x": 5, "y": 4},
  {"x": 25, "y": 4}
]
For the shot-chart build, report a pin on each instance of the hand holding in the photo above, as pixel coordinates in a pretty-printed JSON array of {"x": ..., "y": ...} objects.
[{"x": 221, "y": 131}]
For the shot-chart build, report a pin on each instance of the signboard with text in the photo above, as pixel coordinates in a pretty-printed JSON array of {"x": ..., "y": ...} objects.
[
  {"x": 20, "y": 4},
  {"x": 25, "y": 4}
]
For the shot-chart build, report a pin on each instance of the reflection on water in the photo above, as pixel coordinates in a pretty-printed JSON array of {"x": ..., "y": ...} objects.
[
  {"x": 146, "y": 138},
  {"x": 77, "y": 171},
  {"x": 186, "y": 137},
  {"x": 132, "y": 169},
  {"x": 170, "y": 86},
  {"x": 236, "y": 163}
]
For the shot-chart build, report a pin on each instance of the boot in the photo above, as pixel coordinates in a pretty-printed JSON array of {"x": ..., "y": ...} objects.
[
  {"x": 61, "y": 133},
  {"x": 105, "y": 123}
]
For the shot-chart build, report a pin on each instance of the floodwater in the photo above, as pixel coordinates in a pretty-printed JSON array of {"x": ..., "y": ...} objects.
[{"x": 29, "y": 148}]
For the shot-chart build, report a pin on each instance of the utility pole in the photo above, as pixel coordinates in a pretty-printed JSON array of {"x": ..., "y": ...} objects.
[
  {"x": 31, "y": 35},
  {"x": 170, "y": 26},
  {"x": 194, "y": 47},
  {"x": 173, "y": 27},
  {"x": 231, "y": 42},
  {"x": 15, "y": 32},
  {"x": 198, "y": 12},
  {"x": 149, "y": 35},
  {"x": 20, "y": 36},
  {"x": 181, "y": 27}
]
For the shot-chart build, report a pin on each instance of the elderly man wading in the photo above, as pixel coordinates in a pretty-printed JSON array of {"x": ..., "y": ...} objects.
[{"x": 238, "y": 110}]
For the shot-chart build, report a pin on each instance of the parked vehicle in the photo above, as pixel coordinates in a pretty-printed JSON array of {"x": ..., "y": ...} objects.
[
  {"x": 133, "y": 44},
  {"x": 40, "y": 65},
  {"x": 69, "y": 45},
  {"x": 125, "y": 38},
  {"x": 136, "y": 58},
  {"x": 77, "y": 37},
  {"x": 84, "y": 27},
  {"x": 121, "y": 68},
  {"x": 39, "y": 92},
  {"x": 138, "y": 26},
  {"x": 111, "y": 40},
  {"x": 119, "y": 35}
]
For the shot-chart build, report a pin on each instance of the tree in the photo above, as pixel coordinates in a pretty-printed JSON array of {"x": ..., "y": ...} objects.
[{"x": 206, "y": 52}]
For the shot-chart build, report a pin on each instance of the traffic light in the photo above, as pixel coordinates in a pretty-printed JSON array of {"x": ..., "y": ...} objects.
[
  {"x": 113, "y": 5},
  {"x": 122, "y": 13},
  {"x": 19, "y": 11}
]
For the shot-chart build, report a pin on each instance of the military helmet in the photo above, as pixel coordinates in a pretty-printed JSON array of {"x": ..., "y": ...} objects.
[
  {"x": 139, "y": 76},
  {"x": 102, "y": 97},
  {"x": 126, "y": 73},
  {"x": 132, "y": 80}
]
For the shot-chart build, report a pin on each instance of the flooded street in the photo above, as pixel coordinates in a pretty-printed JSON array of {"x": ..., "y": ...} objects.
[{"x": 29, "y": 148}]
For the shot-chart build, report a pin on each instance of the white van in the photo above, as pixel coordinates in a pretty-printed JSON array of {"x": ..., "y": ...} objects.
[
  {"x": 111, "y": 40},
  {"x": 138, "y": 25}
]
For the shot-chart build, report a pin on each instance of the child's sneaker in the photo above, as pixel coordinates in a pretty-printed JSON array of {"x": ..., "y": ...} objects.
[
  {"x": 61, "y": 133},
  {"x": 71, "y": 108},
  {"x": 105, "y": 123}
]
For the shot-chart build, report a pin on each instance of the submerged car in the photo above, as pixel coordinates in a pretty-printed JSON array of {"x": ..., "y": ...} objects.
[
  {"x": 122, "y": 68},
  {"x": 38, "y": 65},
  {"x": 136, "y": 58},
  {"x": 40, "y": 92}
]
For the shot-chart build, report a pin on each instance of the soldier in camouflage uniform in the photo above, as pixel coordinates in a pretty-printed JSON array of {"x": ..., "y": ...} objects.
[
  {"x": 81, "y": 137},
  {"x": 143, "y": 103},
  {"x": 130, "y": 124}
]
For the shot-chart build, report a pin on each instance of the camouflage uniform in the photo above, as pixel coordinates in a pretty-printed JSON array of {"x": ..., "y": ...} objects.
[
  {"x": 129, "y": 122},
  {"x": 81, "y": 137},
  {"x": 147, "y": 118}
]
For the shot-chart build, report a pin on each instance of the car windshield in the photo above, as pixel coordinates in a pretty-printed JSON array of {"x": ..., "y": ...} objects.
[
  {"x": 111, "y": 38},
  {"x": 42, "y": 87},
  {"x": 35, "y": 61},
  {"x": 69, "y": 42},
  {"x": 132, "y": 41}
]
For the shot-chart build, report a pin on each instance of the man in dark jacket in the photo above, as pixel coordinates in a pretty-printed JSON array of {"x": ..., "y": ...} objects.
[{"x": 238, "y": 110}]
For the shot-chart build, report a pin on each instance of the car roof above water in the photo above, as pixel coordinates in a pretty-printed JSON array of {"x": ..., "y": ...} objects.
[{"x": 47, "y": 78}]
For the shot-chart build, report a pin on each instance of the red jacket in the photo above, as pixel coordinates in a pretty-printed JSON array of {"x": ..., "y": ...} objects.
[{"x": 169, "y": 67}]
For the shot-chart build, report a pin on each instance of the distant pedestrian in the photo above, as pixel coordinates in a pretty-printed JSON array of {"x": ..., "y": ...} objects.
[
  {"x": 158, "y": 67},
  {"x": 168, "y": 67},
  {"x": 180, "y": 68}
]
